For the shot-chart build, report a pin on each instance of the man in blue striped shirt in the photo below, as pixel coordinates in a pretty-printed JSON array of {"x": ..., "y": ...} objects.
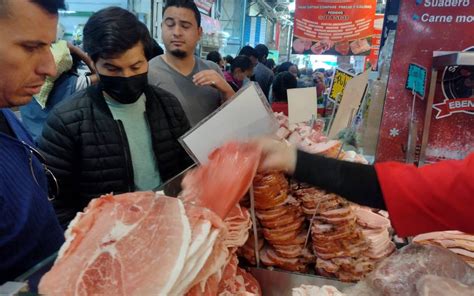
[{"x": 29, "y": 230}]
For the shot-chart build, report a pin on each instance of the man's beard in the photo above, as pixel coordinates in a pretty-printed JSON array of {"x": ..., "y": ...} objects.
[{"x": 179, "y": 53}]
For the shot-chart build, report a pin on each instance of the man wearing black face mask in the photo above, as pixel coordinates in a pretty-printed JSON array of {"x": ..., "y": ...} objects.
[{"x": 121, "y": 135}]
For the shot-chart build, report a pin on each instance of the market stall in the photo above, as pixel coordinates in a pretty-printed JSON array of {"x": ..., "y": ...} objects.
[{"x": 270, "y": 235}]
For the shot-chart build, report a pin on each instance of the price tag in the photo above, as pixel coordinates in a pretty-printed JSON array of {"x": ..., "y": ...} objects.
[
  {"x": 339, "y": 82},
  {"x": 416, "y": 80}
]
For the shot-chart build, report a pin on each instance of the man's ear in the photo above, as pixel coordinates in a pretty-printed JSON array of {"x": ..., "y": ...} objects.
[{"x": 200, "y": 32}]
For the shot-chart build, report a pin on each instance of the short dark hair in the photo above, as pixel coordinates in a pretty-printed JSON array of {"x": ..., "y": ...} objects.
[
  {"x": 112, "y": 31},
  {"x": 241, "y": 62},
  {"x": 262, "y": 52},
  {"x": 282, "y": 82},
  {"x": 248, "y": 51},
  {"x": 214, "y": 56},
  {"x": 270, "y": 64},
  {"x": 229, "y": 59},
  {"x": 189, "y": 4},
  {"x": 284, "y": 67},
  {"x": 51, "y": 6}
]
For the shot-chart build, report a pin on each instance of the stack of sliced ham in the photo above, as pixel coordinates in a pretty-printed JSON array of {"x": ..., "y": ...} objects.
[
  {"x": 136, "y": 244},
  {"x": 147, "y": 244},
  {"x": 457, "y": 242},
  {"x": 248, "y": 249},
  {"x": 347, "y": 240},
  {"x": 283, "y": 223},
  {"x": 375, "y": 230}
]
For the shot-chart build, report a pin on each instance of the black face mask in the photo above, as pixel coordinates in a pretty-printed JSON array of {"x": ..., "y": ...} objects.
[{"x": 125, "y": 90}]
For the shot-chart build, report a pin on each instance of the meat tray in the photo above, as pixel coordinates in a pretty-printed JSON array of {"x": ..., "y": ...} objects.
[{"x": 277, "y": 282}]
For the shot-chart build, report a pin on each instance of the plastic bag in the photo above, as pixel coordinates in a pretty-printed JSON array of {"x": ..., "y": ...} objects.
[{"x": 224, "y": 180}]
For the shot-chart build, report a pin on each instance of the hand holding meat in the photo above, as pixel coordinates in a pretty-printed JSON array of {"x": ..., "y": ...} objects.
[{"x": 277, "y": 155}]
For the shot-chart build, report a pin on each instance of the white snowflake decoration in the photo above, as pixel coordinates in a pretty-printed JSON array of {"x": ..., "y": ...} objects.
[{"x": 394, "y": 132}]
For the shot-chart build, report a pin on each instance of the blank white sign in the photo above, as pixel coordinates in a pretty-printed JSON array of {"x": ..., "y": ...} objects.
[
  {"x": 245, "y": 116},
  {"x": 302, "y": 104}
]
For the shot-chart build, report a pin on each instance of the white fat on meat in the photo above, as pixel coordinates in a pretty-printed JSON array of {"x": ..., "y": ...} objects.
[
  {"x": 194, "y": 264},
  {"x": 309, "y": 290}
]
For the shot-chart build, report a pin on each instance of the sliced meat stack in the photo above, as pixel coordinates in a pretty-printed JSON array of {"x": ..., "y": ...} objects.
[
  {"x": 462, "y": 244},
  {"x": 282, "y": 221},
  {"x": 375, "y": 230},
  {"x": 247, "y": 251},
  {"x": 346, "y": 240}
]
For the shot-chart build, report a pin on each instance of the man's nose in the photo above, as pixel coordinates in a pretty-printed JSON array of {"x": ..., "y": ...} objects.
[{"x": 46, "y": 65}]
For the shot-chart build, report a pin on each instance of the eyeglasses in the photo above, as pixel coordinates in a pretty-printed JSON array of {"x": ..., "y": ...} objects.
[{"x": 53, "y": 187}]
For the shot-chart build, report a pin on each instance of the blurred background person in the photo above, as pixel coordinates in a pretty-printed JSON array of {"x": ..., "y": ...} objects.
[
  {"x": 282, "y": 82},
  {"x": 228, "y": 61},
  {"x": 271, "y": 64},
  {"x": 241, "y": 70},
  {"x": 215, "y": 56},
  {"x": 68, "y": 59}
]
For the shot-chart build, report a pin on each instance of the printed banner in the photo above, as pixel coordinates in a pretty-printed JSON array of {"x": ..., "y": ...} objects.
[
  {"x": 342, "y": 27},
  {"x": 204, "y": 6},
  {"x": 339, "y": 82},
  {"x": 425, "y": 26},
  {"x": 376, "y": 39}
]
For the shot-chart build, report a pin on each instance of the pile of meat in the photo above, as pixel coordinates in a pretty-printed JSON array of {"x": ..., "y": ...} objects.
[
  {"x": 457, "y": 242},
  {"x": 312, "y": 139},
  {"x": 418, "y": 270},
  {"x": 283, "y": 224},
  {"x": 147, "y": 244},
  {"x": 347, "y": 240},
  {"x": 142, "y": 244},
  {"x": 414, "y": 270}
]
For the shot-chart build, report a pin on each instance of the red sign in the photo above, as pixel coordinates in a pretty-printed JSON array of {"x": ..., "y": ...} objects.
[
  {"x": 422, "y": 29},
  {"x": 376, "y": 38},
  {"x": 341, "y": 27},
  {"x": 204, "y": 6}
]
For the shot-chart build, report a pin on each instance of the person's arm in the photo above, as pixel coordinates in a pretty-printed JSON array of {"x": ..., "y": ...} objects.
[
  {"x": 82, "y": 55},
  {"x": 354, "y": 181},
  {"x": 430, "y": 198}
]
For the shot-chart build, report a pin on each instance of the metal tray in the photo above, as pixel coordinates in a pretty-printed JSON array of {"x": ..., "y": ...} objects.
[{"x": 277, "y": 282}]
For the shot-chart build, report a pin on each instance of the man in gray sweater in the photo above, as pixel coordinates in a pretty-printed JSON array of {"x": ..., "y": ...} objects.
[{"x": 198, "y": 84}]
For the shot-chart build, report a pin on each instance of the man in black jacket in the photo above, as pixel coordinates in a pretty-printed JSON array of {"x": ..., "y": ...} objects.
[{"x": 121, "y": 135}]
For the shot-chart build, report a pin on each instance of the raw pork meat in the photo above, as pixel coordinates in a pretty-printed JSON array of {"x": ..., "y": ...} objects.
[
  {"x": 431, "y": 285},
  {"x": 399, "y": 274},
  {"x": 117, "y": 246}
]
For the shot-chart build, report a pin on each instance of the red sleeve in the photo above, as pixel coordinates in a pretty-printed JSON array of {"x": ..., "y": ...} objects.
[{"x": 434, "y": 197}]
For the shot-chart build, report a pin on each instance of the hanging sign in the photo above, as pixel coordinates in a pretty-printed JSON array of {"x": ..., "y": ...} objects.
[{"x": 334, "y": 27}]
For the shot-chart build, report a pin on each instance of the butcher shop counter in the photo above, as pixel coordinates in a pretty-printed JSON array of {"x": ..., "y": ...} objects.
[{"x": 277, "y": 282}]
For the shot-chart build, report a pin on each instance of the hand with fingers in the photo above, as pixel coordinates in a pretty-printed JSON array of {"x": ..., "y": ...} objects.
[
  {"x": 214, "y": 79},
  {"x": 276, "y": 155}
]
